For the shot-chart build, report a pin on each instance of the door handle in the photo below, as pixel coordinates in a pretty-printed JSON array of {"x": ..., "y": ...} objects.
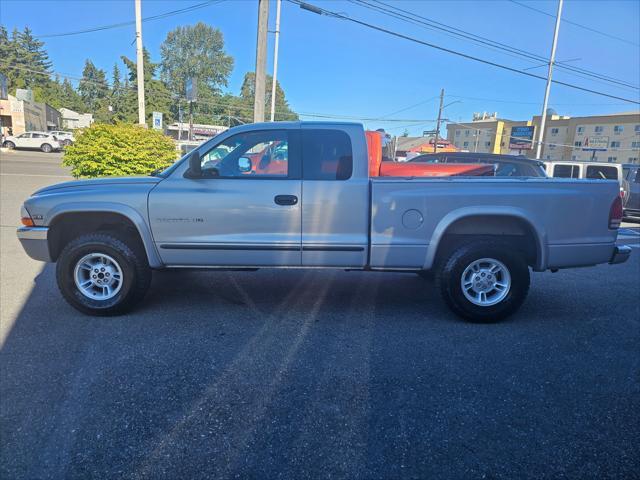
[{"x": 286, "y": 199}]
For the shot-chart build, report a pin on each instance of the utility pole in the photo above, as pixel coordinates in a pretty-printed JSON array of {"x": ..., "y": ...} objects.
[
  {"x": 261, "y": 61},
  {"x": 552, "y": 60},
  {"x": 435, "y": 143},
  {"x": 140, "y": 63},
  {"x": 275, "y": 61}
]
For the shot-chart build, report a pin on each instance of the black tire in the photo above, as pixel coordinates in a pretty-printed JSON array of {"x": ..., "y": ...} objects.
[
  {"x": 9, "y": 145},
  {"x": 46, "y": 148},
  {"x": 136, "y": 274},
  {"x": 450, "y": 270}
]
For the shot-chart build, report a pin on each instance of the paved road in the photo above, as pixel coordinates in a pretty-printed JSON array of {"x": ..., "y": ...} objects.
[{"x": 313, "y": 374}]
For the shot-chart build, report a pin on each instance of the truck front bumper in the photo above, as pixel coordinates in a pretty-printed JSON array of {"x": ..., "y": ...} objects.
[
  {"x": 620, "y": 254},
  {"x": 35, "y": 242}
]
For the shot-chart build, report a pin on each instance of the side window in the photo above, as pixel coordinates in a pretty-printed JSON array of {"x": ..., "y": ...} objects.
[
  {"x": 566, "y": 171},
  {"x": 25, "y": 135},
  {"x": 249, "y": 155},
  {"x": 39, "y": 135},
  {"x": 327, "y": 155},
  {"x": 637, "y": 180},
  {"x": 602, "y": 172}
]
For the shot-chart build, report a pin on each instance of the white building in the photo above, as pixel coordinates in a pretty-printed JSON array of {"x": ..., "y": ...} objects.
[{"x": 72, "y": 120}]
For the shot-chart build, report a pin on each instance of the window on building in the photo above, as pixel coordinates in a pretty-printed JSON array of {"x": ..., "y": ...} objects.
[
  {"x": 326, "y": 155},
  {"x": 599, "y": 129},
  {"x": 578, "y": 143},
  {"x": 552, "y": 146},
  {"x": 466, "y": 133},
  {"x": 574, "y": 157},
  {"x": 614, "y": 144},
  {"x": 487, "y": 144},
  {"x": 612, "y": 159},
  {"x": 602, "y": 172},
  {"x": 554, "y": 131},
  {"x": 618, "y": 129},
  {"x": 637, "y": 129},
  {"x": 580, "y": 130},
  {"x": 635, "y": 144},
  {"x": 548, "y": 157},
  {"x": 566, "y": 171},
  {"x": 457, "y": 133},
  {"x": 465, "y": 145},
  {"x": 634, "y": 160}
]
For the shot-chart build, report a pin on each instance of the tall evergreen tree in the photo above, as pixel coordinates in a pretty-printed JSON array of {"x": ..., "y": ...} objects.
[
  {"x": 93, "y": 87},
  {"x": 157, "y": 96}
]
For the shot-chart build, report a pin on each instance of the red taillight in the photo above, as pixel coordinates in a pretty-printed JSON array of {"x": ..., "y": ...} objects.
[{"x": 615, "y": 213}]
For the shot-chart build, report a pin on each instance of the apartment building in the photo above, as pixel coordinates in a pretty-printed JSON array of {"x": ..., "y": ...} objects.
[{"x": 566, "y": 138}]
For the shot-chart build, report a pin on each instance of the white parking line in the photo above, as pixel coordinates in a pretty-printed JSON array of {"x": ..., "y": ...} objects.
[{"x": 35, "y": 175}]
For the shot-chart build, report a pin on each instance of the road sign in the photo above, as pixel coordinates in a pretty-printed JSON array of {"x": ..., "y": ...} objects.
[
  {"x": 521, "y": 138},
  {"x": 157, "y": 120},
  {"x": 596, "y": 143},
  {"x": 191, "y": 89}
]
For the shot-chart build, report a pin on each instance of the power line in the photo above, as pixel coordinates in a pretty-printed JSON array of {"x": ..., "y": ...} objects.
[
  {"x": 576, "y": 24},
  {"x": 461, "y": 54},
  {"x": 509, "y": 50},
  {"x": 132, "y": 22}
]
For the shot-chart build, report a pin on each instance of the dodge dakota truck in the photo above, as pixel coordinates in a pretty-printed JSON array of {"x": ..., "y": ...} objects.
[{"x": 310, "y": 195}]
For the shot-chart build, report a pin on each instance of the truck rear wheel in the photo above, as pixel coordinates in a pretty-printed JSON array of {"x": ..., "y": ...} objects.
[
  {"x": 100, "y": 274},
  {"x": 484, "y": 281}
]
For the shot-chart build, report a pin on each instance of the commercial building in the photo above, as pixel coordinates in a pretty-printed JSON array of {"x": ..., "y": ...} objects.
[
  {"x": 73, "y": 120},
  {"x": 605, "y": 138}
]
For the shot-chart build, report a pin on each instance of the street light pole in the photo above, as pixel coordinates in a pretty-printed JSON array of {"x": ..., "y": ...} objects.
[
  {"x": 275, "y": 61},
  {"x": 435, "y": 143},
  {"x": 261, "y": 61},
  {"x": 140, "y": 63},
  {"x": 552, "y": 59}
]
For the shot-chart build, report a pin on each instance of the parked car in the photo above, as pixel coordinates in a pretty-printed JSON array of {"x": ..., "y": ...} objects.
[
  {"x": 480, "y": 235},
  {"x": 44, "y": 141},
  {"x": 590, "y": 170},
  {"x": 632, "y": 192},
  {"x": 506, "y": 165},
  {"x": 65, "y": 138}
]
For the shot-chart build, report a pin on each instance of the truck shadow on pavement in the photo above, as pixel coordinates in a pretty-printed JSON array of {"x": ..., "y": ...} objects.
[{"x": 302, "y": 373}]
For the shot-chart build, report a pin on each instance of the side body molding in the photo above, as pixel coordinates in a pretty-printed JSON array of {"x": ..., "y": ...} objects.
[
  {"x": 111, "y": 207},
  {"x": 484, "y": 211}
]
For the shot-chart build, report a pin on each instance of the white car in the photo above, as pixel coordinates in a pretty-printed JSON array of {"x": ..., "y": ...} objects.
[
  {"x": 45, "y": 141},
  {"x": 65, "y": 138}
]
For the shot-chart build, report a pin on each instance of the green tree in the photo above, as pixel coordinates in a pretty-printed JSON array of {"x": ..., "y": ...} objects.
[
  {"x": 247, "y": 93},
  {"x": 93, "y": 87},
  {"x": 117, "y": 93},
  {"x": 24, "y": 60},
  {"x": 156, "y": 94},
  {"x": 70, "y": 98},
  {"x": 195, "y": 51}
]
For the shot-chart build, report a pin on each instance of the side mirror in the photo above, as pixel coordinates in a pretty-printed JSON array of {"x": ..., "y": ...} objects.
[
  {"x": 244, "y": 164},
  {"x": 195, "y": 167}
]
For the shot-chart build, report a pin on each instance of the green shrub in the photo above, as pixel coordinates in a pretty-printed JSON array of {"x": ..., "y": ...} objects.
[{"x": 117, "y": 150}]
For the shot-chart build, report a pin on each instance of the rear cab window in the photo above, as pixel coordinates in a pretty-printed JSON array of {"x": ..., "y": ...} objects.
[{"x": 326, "y": 155}]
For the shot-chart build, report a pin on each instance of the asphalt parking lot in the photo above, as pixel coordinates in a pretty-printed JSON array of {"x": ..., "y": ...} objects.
[{"x": 313, "y": 374}]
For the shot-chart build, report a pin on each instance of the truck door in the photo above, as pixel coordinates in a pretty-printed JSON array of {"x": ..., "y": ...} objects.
[
  {"x": 245, "y": 211},
  {"x": 335, "y": 206}
]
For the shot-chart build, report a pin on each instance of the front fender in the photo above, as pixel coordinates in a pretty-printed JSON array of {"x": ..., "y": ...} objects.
[{"x": 111, "y": 207}]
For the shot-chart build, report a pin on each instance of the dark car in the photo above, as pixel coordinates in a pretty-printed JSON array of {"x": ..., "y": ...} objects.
[
  {"x": 631, "y": 187},
  {"x": 506, "y": 165}
]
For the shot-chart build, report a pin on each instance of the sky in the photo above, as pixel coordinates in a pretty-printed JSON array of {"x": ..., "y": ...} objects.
[{"x": 330, "y": 66}]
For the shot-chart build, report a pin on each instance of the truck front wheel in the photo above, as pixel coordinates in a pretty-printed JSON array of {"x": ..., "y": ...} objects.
[
  {"x": 484, "y": 281},
  {"x": 100, "y": 274}
]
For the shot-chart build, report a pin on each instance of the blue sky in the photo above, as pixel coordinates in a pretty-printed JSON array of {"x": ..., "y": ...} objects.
[{"x": 332, "y": 66}]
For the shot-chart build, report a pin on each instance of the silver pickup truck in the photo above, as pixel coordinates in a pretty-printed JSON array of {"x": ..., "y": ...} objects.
[{"x": 302, "y": 195}]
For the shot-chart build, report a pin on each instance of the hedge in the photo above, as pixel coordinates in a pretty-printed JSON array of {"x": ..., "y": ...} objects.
[{"x": 118, "y": 150}]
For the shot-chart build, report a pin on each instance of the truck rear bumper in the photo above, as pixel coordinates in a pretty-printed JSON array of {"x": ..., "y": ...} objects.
[
  {"x": 620, "y": 254},
  {"x": 35, "y": 243},
  {"x": 584, "y": 255}
]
